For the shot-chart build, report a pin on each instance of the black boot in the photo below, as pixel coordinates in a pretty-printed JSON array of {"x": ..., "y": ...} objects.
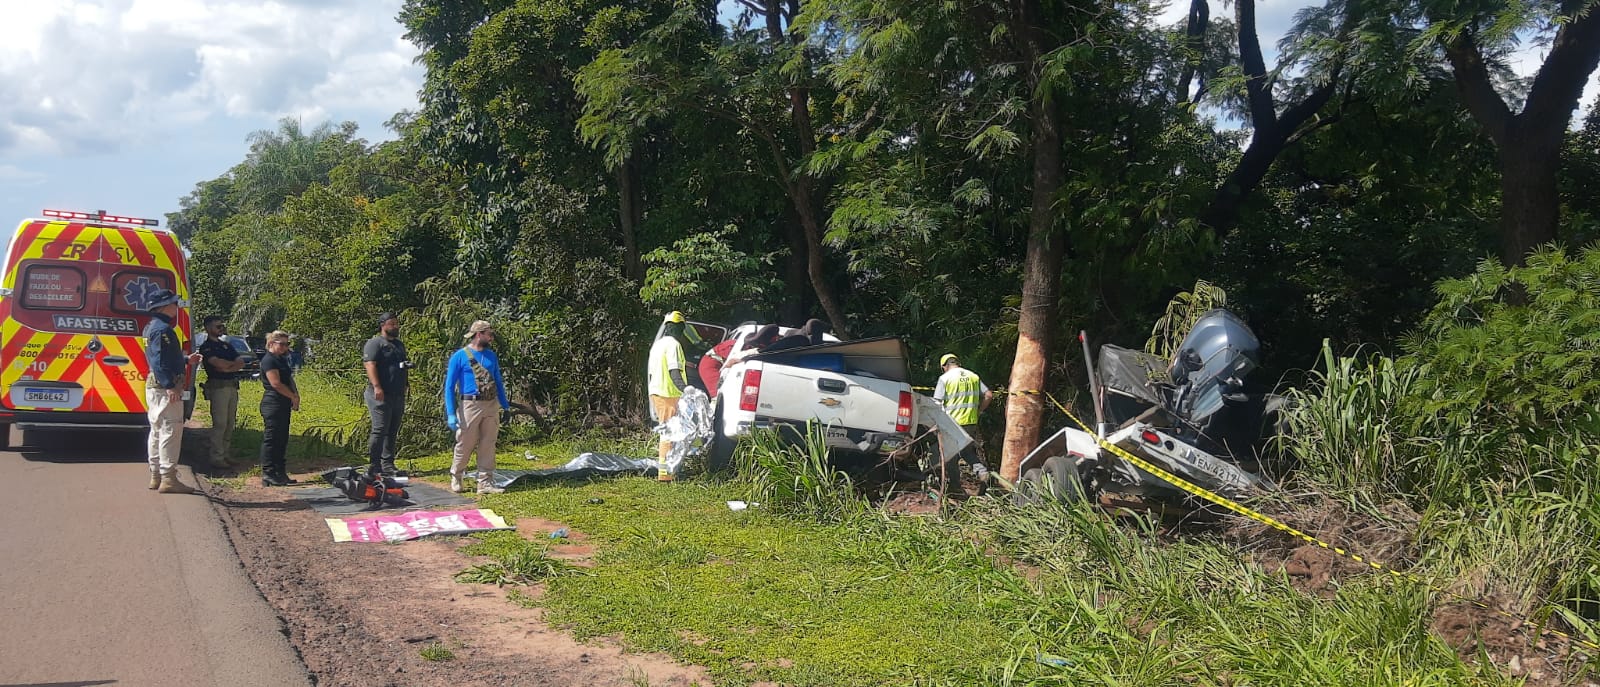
[{"x": 271, "y": 479}]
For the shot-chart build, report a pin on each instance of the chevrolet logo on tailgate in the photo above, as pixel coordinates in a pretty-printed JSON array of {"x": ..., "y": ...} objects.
[{"x": 830, "y": 402}]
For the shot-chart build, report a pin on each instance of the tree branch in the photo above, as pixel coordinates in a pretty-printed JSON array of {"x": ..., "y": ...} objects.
[
  {"x": 1303, "y": 110},
  {"x": 1262, "y": 112},
  {"x": 1574, "y": 54},
  {"x": 753, "y": 7},
  {"x": 1199, "y": 21},
  {"x": 1477, "y": 91}
]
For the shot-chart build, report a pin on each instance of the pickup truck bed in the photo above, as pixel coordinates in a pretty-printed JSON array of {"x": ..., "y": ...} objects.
[{"x": 859, "y": 390}]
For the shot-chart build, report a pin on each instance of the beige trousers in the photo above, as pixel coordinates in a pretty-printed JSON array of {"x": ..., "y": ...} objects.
[
  {"x": 224, "y": 397},
  {"x": 166, "y": 430},
  {"x": 480, "y": 427},
  {"x": 665, "y": 409}
]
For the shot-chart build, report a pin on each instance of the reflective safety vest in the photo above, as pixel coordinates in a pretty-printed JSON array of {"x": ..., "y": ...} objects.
[
  {"x": 666, "y": 355},
  {"x": 962, "y": 393}
]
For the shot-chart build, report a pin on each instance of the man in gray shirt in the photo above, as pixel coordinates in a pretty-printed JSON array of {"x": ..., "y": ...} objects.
[{"x": 384, "y": 356}]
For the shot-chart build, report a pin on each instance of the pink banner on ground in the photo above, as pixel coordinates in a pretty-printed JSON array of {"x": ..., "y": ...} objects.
[{"x": 405, "y": 526}]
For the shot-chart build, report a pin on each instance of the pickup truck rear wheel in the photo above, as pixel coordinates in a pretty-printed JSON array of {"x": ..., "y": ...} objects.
[{"x": 720, "y": 453}]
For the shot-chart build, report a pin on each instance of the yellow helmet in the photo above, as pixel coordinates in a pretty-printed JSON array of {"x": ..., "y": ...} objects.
[
  {"x": 673, "y": 316},
  {"x": 946, "y": 359}
]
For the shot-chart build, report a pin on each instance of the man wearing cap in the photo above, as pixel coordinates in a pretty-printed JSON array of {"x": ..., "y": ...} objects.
[
  {"x": 666, "y": 380},
  {"x": 163, "y": 392},
  {"x": 474, "y": 374},
  {"x": 384, "y": 357},
  {"x": 964, "y": 396},
  {"x": 223, "y": 365}
]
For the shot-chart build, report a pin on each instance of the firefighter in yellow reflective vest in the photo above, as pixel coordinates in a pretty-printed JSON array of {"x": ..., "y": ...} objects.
[
  {"x": 666, "y": 379},
  {"x": 964, "y": 397}
]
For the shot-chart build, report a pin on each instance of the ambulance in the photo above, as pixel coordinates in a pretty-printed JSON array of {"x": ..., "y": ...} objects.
[{"x": 73, "y": 304}]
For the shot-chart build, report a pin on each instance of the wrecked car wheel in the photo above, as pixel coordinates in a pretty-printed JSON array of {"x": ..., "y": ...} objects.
[
  {"x": 1028, "y": 488},
  {"x": 1061, "y": 479},
  {"x": 720, "y": 454}
]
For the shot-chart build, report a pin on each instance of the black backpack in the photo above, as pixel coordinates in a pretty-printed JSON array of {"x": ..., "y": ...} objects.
[{"x": 375, "y": 489}]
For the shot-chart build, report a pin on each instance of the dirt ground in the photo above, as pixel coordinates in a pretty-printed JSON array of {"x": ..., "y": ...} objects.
[
  {"x": 1475, "y": 630},
  {"x": 361, "y": 614}
]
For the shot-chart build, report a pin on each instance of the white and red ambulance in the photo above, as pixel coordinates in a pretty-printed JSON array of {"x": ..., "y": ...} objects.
[{"x": 73, "y": 304}]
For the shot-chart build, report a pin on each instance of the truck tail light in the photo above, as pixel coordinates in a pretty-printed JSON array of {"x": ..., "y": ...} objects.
[
  {"x": 902, "y": 422},
  {"x": 750, "y": 391},
  {"x": 1150, "y": 437}
]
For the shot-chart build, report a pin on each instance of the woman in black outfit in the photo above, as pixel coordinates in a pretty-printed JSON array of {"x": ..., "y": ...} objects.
[{"x": 281, "y": 397}]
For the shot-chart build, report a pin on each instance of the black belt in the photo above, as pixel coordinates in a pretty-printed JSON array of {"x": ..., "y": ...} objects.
[{"x": 477, "y": 397}]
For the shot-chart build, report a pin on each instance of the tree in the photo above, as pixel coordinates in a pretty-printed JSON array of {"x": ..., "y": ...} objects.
[
  {"x": 1275, "y": 127},
  {"x": 1476, "y": 39},
  {"x": 760, "y": 81}
]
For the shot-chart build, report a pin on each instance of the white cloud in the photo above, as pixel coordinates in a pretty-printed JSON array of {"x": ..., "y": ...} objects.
[{"x": 94, "y": 75}]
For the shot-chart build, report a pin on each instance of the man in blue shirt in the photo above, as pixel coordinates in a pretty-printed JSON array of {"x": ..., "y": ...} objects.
[
  {"x": 163, "y": 392},
  {"x": 474, "y": 374}
]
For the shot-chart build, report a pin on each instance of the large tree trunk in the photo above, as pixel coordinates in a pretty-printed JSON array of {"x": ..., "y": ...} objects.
[
  {"x": 807, "y": 207},
  {"x": 803, "y": 191},
  {"x": 630, "y": 207},
  {"x": 1529, "y": 204},
  {"x": 1529, "y": 142},
  {"x": 1041, "y": 276},
  {"x": 796, "y": 279}
]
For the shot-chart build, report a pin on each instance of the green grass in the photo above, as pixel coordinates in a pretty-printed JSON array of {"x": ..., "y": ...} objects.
[
  {"x": 516, "y": 561},
  {"x": 872, "y": 600},
  {"x": 830, "y": 592},
  {"x": 806, "y": 604},
  {"x": 437, "y": 652}
]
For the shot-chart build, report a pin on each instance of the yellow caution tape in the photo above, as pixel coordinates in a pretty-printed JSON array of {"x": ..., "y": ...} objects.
[{"x": 1264, "y": 519}]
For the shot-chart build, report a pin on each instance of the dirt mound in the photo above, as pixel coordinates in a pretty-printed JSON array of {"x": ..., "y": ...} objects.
[
  {"x": 1519, "y": 649},
  {"x": 1475, "y": 631},
  {"x": 361, "y": 614},
  {"x": 1387, "y": 539}
]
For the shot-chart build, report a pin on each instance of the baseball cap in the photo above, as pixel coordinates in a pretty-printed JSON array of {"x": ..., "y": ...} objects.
[
  {"x": 946, "y": 359},
  {"x": 478, "y": 326},
  {"x": 161, "y": 299}
]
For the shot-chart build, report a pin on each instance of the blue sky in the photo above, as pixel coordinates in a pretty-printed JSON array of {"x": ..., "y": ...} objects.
[{"x": 124, "y": 105}]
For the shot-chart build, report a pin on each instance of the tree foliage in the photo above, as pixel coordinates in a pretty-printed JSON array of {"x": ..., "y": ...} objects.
[{"x": 980, "y": 176}]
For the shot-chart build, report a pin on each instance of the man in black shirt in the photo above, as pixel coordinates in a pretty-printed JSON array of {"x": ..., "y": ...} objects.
[
  {"x": 384, "y": 356},
  {"x": 222, "y": 365}
]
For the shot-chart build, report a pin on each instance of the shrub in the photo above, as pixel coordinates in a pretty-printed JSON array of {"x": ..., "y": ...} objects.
[{"x": 797, "y": 478}]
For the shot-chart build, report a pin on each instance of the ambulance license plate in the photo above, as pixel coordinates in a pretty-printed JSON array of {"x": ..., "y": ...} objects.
[{"x": 45, "y": 395}]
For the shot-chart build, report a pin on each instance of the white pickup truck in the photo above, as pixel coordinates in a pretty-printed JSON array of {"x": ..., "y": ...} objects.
[{"x": 859, "y": 391}]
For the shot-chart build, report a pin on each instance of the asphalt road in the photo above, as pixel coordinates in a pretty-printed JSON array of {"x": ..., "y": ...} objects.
[{"x": 104, "y": 582}]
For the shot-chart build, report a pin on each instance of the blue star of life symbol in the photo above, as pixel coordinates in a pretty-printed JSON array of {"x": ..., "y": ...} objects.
[{"x": 140, "y": 292}]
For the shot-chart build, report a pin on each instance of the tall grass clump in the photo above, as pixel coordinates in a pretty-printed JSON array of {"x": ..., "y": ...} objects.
[
  {"x": 1488, "y": 425},
  {"x": 1345, "y": 428},
  {"x": 796, "y": 478}
]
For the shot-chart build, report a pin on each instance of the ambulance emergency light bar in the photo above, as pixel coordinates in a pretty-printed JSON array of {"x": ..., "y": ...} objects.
[{"x": 100, "y": 215}]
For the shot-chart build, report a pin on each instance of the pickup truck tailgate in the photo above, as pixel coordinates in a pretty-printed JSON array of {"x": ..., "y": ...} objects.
[{"x": 839, "y": 400}]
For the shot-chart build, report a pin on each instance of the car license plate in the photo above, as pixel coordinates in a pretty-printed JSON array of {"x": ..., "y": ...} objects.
[{"x": 45, "y": 395}]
